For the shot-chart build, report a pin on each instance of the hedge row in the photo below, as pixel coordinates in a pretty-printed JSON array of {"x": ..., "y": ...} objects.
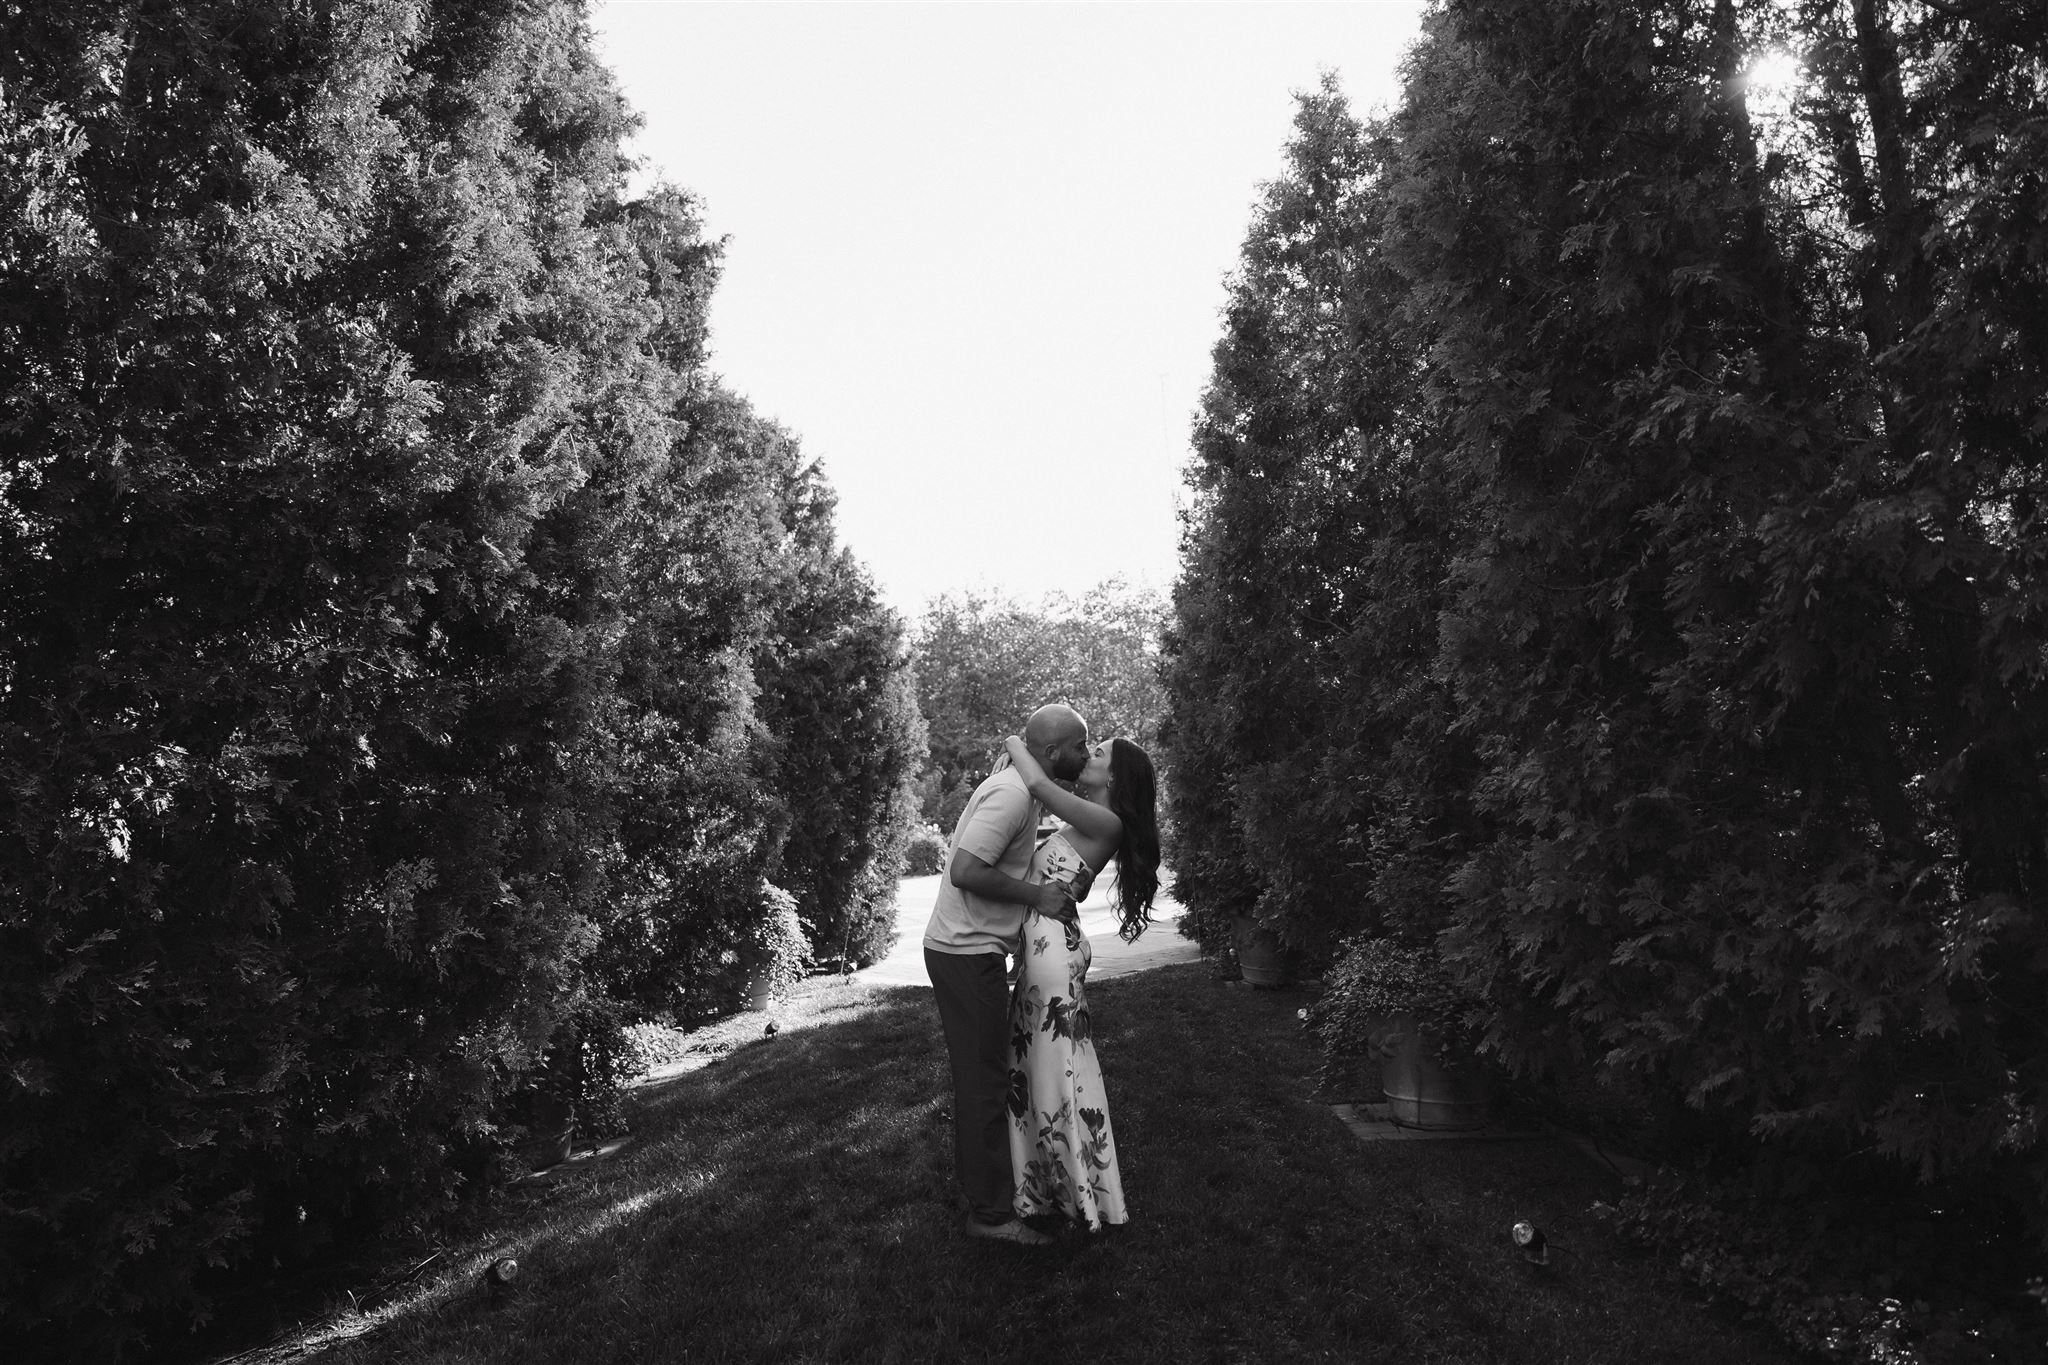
[
  {"x": 1616, "y": 565},
  {"x": 411, "y": 665}
]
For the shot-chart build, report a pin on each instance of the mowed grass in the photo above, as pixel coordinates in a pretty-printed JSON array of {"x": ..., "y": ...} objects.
[{"x": 794, "y": 1203}]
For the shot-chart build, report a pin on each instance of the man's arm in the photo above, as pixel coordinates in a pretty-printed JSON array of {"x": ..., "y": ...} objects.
[
  {"x": 1050, "y": 899},
  {"x": 1097, "y": 822}
]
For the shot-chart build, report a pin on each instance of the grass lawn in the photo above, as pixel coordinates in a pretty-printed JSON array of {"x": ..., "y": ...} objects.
[{"x": 794, "y": 1203}]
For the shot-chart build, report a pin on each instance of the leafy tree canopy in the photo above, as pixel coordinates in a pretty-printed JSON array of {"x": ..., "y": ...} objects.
[{"x": 984, "y": 662}]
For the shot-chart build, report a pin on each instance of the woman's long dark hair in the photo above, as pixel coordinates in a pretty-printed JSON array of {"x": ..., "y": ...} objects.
[{"x": 1134, "y": 796}]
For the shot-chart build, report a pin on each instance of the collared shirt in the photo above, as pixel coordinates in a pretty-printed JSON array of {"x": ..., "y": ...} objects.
[{"x": 999, "y": 827}]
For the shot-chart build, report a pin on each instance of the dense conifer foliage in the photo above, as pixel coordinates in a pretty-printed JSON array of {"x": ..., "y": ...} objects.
[
  {"x": 1617, "y": 560},
  {"x": 1304, "y": 725},
  {"x": 839, "y": 699},
  {"x": 410, "y": 665}
]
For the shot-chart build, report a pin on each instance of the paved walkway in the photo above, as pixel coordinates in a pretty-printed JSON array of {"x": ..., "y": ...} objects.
[{"x": 1159, "y": 946}]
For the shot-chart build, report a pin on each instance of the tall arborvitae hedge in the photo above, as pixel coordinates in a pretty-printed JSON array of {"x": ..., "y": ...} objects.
[
  {"x": 1323, "y": 521},
  {"x": 839, "y": 702},
  {"x": 1616, "y": 561},
  {"x": 380, "y": 598}
]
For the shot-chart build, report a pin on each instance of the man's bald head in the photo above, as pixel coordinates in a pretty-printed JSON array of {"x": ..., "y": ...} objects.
[{"x": 1058, "y": 738}]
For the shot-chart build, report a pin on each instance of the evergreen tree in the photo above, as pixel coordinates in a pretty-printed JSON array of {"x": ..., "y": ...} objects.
[
  {"x": 839, "y": 698},
  {"x": 382, "y": 587},
  {"x": 697, "y": 819},
  {"x": 323, "y": 341},
  {"x": 1699, "y": 723},
  {"x": 1743, "y": 639},
  {"x": 1304, "y": 716}
]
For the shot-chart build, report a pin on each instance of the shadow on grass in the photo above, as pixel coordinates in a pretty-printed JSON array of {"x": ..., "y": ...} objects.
[{"x": 794, "y": 1202}]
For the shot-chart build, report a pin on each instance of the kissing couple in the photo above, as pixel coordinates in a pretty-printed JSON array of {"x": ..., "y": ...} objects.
[{"x": 1031, "y": 1132}]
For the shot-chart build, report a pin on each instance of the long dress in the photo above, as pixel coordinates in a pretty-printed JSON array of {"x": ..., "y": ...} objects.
[{"x": 1060, "y": 1143}]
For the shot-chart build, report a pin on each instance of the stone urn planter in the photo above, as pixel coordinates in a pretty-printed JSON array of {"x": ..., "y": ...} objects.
[
  {"x": 771, "y": 951},
  {"x": 1422, "y": 1091},
  {"x": 1259, "y": 955},
  {"x": 550, "y": 1106},
  {"x": 551, "y": 1136},
  {"x": 759, "y": 986}
]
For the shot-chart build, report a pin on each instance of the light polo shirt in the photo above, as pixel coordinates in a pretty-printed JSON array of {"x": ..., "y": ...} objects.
[{"x": 999, "y": 827}]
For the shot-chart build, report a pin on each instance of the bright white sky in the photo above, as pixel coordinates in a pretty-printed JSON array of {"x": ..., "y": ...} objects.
[{"x": 977, "y": 252}]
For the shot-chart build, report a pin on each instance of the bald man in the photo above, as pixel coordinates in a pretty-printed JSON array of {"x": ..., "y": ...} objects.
[{"x": 987, "y": 893}]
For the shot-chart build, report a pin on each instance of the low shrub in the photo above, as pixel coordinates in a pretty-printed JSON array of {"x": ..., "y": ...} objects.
[
  {"x": 579, "y": 1081},
  {"x": 1846, "y": 1266},
  {"x": 870, "y": 928},
  {"x": 1213, "y": 931},
  {"x": 1375, "y": 978},
  {"x": 926, "y": 854}
]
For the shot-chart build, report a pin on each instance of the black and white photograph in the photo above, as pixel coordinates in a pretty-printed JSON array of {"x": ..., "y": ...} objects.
[{"x": 1147, "y": 682}]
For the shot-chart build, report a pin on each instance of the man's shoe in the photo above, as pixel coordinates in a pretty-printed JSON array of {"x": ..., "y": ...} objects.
[{"x": 1010, "y": 1231}]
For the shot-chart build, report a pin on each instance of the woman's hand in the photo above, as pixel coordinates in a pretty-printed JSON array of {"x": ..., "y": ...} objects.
[{"x": 1018, "y": 755}]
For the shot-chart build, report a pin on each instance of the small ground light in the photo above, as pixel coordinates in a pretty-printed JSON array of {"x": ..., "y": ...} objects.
[
  {"x": 1535, "y": 1249},
  {"x": 500, "y": 1276}
]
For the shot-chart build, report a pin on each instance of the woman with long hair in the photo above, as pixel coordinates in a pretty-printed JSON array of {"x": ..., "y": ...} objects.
[{"x": 1061, "y": 1146}]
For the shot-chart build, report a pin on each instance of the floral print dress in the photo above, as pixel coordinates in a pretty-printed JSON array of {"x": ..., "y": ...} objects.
[{"x": 1060, "y": 1143}]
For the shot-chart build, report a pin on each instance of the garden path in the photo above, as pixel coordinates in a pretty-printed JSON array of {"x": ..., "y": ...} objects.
[{"x": 1159, "y": 946}]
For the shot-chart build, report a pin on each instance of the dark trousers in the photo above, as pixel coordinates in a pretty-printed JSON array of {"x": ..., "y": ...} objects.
[{"x": 973, "y": 995}]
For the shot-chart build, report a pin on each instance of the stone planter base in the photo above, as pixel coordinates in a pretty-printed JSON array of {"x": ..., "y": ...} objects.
[
  {"x": 1423, "y": 1093},
  {"x": 1259, "y": 955},
  {"x": 551, "y": 1135}
]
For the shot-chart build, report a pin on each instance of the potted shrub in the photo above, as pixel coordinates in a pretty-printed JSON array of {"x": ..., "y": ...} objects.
[
  {"x": 549, "y": 1113},
  {"x": 1393, "y": 1000},
  {"x": 772, "y": 952},
  {"x": 573, "y": 1094},
  {"x": 1260, "y": 958},
  {"x": 546, "y": 1108}
]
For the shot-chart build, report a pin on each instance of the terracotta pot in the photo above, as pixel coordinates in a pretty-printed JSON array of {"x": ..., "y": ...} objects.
[
  {"x": 1421, "y": 1091},
  {"x": 1259, "y": 955}
]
